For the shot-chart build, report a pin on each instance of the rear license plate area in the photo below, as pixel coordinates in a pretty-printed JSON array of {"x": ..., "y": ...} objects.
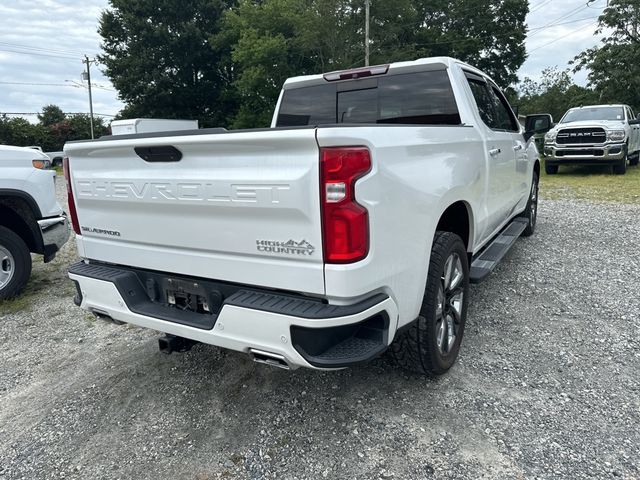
[{"x": 192, "y": 297}]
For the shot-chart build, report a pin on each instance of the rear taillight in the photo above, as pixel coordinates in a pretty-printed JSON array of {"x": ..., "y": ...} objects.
[
  {"x": 345, "y": 223},
  {"x": 72, "y": 204}
]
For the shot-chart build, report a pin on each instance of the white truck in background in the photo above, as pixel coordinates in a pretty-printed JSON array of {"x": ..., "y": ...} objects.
[
  {"x": 352, "y": 226},
  {"x": 31, "y": 220},
  {"x": 594, "y": 135}
]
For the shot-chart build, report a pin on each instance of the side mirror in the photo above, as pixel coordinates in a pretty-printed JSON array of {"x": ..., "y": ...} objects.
[
  {"x": 634, "y": 122},
  {"x": 538, "y": 123}
]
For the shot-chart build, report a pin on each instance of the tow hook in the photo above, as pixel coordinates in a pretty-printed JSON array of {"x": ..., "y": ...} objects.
[{"x": 171, "y": 343}]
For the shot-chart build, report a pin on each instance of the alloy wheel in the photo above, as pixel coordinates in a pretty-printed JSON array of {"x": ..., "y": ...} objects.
[{"x": 449, "y": 304}]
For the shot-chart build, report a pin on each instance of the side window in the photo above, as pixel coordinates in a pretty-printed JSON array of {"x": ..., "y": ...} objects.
[
  {"x": 504, "y": 115},
  {"x": 483, "y": 100},
  {"x": 630, "y": 114}
]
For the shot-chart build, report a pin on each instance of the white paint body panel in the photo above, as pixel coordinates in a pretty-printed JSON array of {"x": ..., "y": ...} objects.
[
  {"x": 17, "y": 173},
  {"x": 417, "y": 173},
  {"x": 204, "y": 215}
]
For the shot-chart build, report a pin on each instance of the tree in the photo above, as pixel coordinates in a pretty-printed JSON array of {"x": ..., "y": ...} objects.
[
  {"x": 614, "y": 66},
  {"x": 276, "y": 39},
  {"x": 50, "y": 136},
  {"x": 51, "y": 114},
  {"x": 555, "y": 93},
  {"x": 488, "y": 34},
  {"x": 158, "y": 57}
]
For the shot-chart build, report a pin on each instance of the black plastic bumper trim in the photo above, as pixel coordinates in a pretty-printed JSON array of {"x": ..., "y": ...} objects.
[
  {"x": 130, "y": 284},
  {"x": 343, "y": 345}
]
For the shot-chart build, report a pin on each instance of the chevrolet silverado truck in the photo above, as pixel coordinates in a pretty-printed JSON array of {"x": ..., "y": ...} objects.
[
  {"x": 352, "y": 226},
  {"x": 31, "y": 220},
  {"x": 596, "y": 135}
]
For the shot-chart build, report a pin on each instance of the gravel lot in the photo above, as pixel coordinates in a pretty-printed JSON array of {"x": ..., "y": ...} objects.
[{"x": 547, "y": 385}]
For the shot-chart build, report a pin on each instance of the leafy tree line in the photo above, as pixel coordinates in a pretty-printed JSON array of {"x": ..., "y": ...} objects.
[
  {"x": 53, "y": 129},
  {"x": 223, "y": 61},
  {"x": 554, "y": 93}
]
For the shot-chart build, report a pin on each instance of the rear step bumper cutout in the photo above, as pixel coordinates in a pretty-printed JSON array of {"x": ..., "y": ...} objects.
[{"x": 345, "y": 345}]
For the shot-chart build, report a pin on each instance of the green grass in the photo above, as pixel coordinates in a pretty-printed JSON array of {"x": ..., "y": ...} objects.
[
  {"x": 595, "y": 184},
  {"x": 59, "y": 171}
]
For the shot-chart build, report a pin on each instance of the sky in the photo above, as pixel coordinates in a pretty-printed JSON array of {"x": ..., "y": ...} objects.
[{"x": 42, "y": 43}]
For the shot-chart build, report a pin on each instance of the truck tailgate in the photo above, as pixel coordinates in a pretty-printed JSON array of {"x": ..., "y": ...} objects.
[{"x": 240, "y": 207}]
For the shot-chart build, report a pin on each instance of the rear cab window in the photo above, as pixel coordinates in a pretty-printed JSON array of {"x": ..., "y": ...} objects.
[{"x": 421, "y": 98}]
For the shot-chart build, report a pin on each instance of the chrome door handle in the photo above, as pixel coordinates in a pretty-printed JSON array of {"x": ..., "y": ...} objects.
[
  {"x": 518, "y": 147},
  {"x": 494, "y": 152}
]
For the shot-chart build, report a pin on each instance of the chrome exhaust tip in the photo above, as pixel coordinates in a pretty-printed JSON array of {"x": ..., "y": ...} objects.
[{"x": 268, "y": 358}]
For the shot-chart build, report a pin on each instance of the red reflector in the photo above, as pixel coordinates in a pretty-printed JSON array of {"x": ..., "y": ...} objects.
[
  {"x": 72, "y": 204},
  {"x": 345, "y": 223}
]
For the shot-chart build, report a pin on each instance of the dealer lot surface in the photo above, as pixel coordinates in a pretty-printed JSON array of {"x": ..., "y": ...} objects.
[{"x": 547, "y": 384}]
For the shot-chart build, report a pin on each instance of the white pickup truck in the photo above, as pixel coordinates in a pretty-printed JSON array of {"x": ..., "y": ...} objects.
[
  {"x": 595, "y": 135},
  {"x": 31, "y": 220},
  {"x": 354, "y": 224}
]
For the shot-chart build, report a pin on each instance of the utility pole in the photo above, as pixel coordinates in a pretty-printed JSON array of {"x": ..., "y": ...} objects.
[
  {"x": 366, "y": 33},
  {"x": 87, "y": 75}
]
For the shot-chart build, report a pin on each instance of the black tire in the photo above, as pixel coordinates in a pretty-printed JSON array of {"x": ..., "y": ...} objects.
[
  {"x": 531, "y": 212},
  {"x": 550, "y": 169},
  {"x": 633, "y": 161},
  {"x": 620, "y": 168},
  {"x": 15, "y": 264},
  {"x": 416, "y": 348}
]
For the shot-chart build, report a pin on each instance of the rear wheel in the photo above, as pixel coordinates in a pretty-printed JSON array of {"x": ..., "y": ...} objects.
[
  {"x": 15, "y": 264},
  {"x": 550, "y": 169},
  {"x": 633, "y": 161},
  {"x": 431, "y": 344},
  {"x": 531, "y": 212}
]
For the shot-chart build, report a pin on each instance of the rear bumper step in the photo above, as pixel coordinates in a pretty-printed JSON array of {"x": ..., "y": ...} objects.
[{"x": 303, "y": 331}]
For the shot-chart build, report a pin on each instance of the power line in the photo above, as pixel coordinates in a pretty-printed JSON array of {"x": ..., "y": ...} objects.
[
  {"x": 560, "y": 38},
  {"x": 539, "y": 6},
  {"x": 41, "y": 49},
  {"x": 72, "y": 84},
  {"x": 69, "y": 58},
  {"x": 66, "y": 113},
  {"x": 38, "y": 84}
]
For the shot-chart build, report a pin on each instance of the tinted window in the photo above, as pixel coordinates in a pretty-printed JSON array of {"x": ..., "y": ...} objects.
[
  {"x": 424, "y": 98},
  {"x": 504, "y": 116},
  {"x": 308, "y": 106},
  {"x": 484, "y": 102}
]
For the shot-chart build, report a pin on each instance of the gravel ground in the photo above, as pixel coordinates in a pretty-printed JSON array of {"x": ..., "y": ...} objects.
[{"x": 546, "y": 386}]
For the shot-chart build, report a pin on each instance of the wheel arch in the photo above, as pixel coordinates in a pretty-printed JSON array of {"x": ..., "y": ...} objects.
[
  {"x": 458, "y": 218},
  {"x": 18, "y": 215}
]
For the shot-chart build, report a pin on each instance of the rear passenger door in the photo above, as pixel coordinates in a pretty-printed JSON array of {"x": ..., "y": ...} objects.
[
  {"x": 500, "y": 155},
  {"x": 508, "y": 123}
]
